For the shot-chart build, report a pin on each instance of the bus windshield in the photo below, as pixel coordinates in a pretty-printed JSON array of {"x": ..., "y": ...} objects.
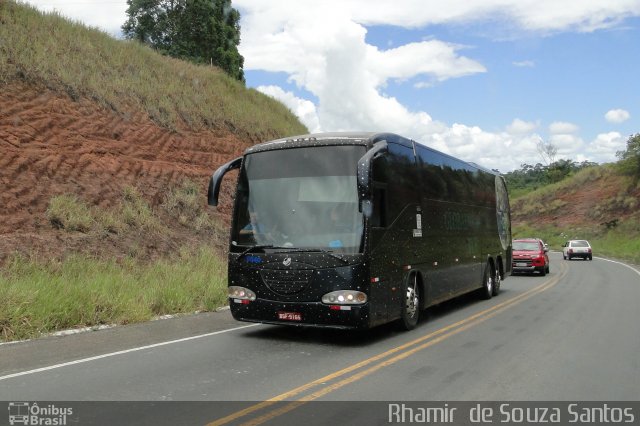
[{"x": 301, "y": 198}]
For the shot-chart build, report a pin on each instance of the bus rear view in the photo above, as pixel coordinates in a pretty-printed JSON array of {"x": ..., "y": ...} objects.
[{"x": 309, "y": 233}]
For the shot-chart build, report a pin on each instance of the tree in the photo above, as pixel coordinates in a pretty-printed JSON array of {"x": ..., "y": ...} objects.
[
  {"x": 201, "y": 31},
  {"x": 547, "y": 151},
  {"x": 630, "y": 158},
  {"x": 560, "y": 169}
]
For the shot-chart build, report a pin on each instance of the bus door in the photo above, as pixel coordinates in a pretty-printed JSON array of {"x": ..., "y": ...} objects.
[{"x": 392, "y": 225}]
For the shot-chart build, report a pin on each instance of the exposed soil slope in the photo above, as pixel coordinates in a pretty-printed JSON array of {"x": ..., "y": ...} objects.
[
  {"x": 590, "y": 199},
  {"x": 51, "y": 144}
]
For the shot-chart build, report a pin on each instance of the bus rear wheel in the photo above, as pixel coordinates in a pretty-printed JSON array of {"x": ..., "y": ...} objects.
[
  {"x": 411, "y": 305},
  {"x": 496, "y": 283}
]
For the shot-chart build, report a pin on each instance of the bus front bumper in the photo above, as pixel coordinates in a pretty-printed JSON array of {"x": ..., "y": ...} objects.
[{"x": 314, "y": 314}]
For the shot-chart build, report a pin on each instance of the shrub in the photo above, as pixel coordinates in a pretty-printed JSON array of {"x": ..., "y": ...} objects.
[
  {"x": 69, "y": 213},
  {"x": 135, "y": 211}
]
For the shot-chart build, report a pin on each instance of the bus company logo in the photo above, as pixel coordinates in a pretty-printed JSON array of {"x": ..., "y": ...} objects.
[
  {"x": 31, "y": 414},
  {"x": 287, "y": 261},
  {"x": 253, "y": 259}
]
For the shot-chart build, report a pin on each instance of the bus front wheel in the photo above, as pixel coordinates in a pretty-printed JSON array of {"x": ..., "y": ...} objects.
[
  {"x": 411, "y": 304},
  {"x": 488, "y": 282}
]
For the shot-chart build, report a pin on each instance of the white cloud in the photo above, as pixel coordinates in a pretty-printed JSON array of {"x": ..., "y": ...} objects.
[
  {"x": 305, "y": 110},
  {"x": 605, "y": 146},
  {"x": 531, "y": 15},
  {"x": 617, "y": 116},
  {"x": 524, "y": 64},
  {"x": 433, "y": 58},
  {"x": 322, "y": 47},
  {"x": 562, "y": 128},
  {"x": 105, "y": 15},
  {"x": 423, "y": 85},
  {"x": 567, "y": 144},
  {"x": 504, "y": 151},
  {"x": 520, "y": 127}
]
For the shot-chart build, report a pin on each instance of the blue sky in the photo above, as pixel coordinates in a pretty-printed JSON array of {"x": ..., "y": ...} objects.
[
  {"x": 563, "y": 77},
  {"x": 484, "y": 80}
]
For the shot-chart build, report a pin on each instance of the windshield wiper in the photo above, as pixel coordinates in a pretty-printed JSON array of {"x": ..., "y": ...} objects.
[
  {"x": 258, "y": 247},
  {"x": 291, "y": 249}
]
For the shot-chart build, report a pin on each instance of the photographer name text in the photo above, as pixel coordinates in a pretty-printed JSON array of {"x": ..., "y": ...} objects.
[{"x": 509, "y": 413}]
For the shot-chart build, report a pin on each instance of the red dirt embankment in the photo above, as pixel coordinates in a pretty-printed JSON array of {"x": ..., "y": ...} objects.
[
  {"x": 590, "y": 203},
  {"x": 51, "y": 144}
]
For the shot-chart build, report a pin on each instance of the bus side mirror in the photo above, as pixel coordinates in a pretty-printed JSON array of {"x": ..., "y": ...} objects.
[
  {"x": 364, "y": 176},
  {"x": 216, "y": 180}
]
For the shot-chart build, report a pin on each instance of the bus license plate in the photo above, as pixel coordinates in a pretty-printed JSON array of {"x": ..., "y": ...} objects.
[{"x": 290, "y": 316}]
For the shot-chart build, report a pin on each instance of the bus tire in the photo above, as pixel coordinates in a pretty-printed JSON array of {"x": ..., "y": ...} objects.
[
  {"x": 488, "y": 283},
  {"x": 410, "y": 311},
  {"x": 496, "y": 283}
]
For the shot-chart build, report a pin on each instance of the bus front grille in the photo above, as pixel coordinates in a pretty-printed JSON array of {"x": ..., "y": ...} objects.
[{"x": 286, "y": 281}]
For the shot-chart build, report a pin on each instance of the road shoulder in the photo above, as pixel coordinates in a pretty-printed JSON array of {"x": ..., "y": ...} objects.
[{"x": 51, "y": 350}]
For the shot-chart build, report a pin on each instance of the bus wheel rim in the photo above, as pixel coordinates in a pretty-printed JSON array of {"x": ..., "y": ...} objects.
[{"x": 412, "y": 299}]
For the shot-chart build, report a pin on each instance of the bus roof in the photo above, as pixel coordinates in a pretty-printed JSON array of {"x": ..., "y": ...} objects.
[
  {"x": 330, "y": 138},
  {"x": 349, "y": 138}
]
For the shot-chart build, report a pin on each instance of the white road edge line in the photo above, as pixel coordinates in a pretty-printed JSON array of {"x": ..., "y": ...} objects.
[
  {"x": 619, "y": 263},
  {"x": 126, "y": 351},
  {"x": 103, "y": 327}
]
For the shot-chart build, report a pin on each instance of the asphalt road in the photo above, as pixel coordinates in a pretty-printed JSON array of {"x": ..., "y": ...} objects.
[{"x": 569, "y": 336}]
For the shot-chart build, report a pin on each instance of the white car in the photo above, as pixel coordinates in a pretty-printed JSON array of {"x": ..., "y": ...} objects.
[{"x": 577, "y": 248}]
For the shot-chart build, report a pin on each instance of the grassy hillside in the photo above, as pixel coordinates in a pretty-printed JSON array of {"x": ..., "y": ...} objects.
[
  {"x": 106, "y": 148},
  {"x": 65, "y": 56},
  {"x": 597, "y": 203},
  {"x": 40, "y": 297}
]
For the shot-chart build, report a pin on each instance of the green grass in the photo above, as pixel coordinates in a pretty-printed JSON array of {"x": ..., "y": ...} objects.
[
  {"x": 184, "y": 202},
  {"x": 68, "y": 212},
  {"x": 136, "y": 212},
  {"x": 66, "y": 56},
  {"x": 41, "y": 297}
]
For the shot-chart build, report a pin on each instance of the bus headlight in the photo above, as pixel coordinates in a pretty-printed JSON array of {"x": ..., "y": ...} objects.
[
  {"x": 344, "y": 297},
  {"x": 241, "y": 293}
]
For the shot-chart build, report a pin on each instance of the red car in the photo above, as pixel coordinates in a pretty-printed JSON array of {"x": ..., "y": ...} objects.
[{"x": 530, "y": 255}]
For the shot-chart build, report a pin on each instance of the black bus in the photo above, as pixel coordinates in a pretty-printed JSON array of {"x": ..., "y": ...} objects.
[{"x": 353, "y": 230}]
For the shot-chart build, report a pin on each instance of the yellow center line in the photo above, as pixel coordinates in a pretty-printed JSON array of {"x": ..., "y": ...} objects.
[
  {"x": 330, "y": 388},
  {"x": 444, "y": 333}
]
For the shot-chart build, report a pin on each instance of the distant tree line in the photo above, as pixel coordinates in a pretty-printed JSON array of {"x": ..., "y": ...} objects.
[
  {"x": 200, "y": 31},
  {"x": 529, "y": 177},
  {"x": 630, "y": 157}
]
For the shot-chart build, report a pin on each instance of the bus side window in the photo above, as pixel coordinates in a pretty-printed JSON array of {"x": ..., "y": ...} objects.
[{"x": 403, "y": 181}]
